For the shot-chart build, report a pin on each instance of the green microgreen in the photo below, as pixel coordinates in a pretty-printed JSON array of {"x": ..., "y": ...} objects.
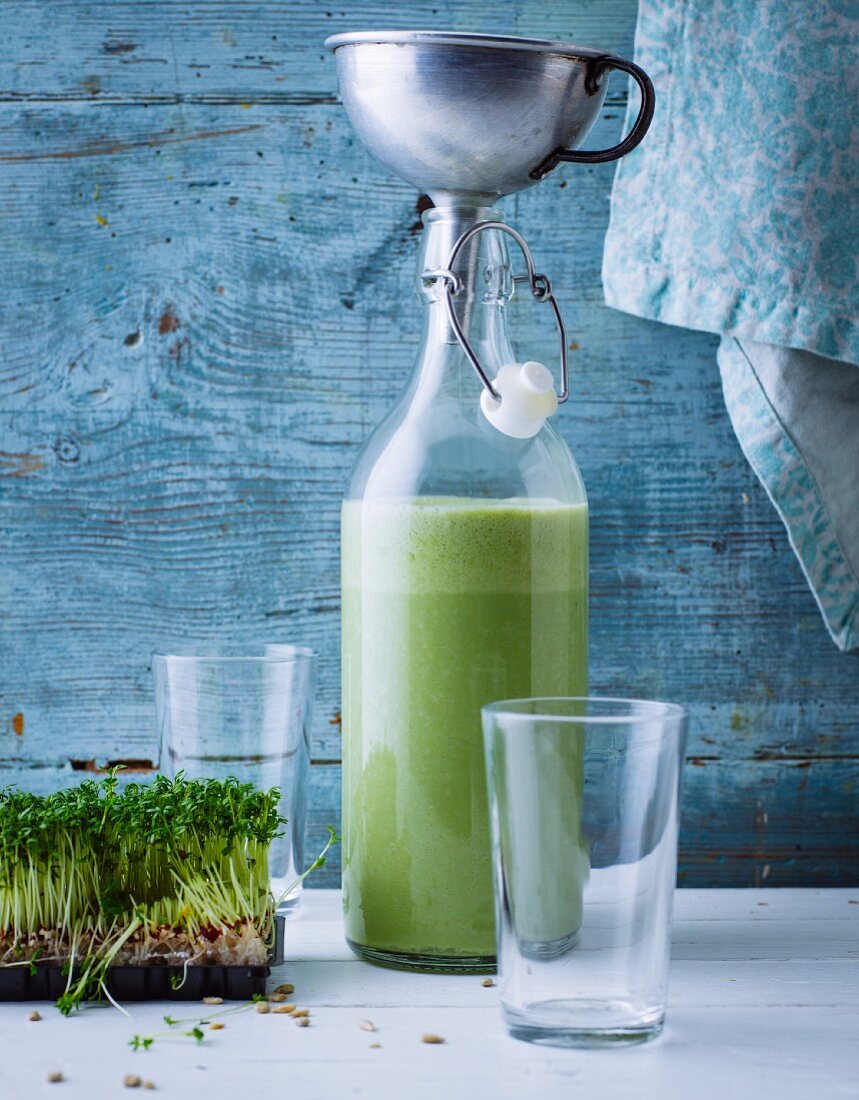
[
  {"x": 93, "y": 876},
  {"x": 197, "y": 1023},
  {"x": 320, "y": 860}
]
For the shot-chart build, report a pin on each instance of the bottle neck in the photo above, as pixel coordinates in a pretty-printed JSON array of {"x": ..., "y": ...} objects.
[{"x": 483, "y": 267}]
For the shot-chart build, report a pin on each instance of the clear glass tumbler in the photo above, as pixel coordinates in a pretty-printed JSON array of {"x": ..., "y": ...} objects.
[
  {"x": 244, "y": 712},
  {"x": 584, "y": 803}
]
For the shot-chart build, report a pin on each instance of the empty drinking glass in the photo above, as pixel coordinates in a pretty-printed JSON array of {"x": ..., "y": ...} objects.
[
  {"x": 584, "y": 802},
  {"x": 243, "y": 712}
]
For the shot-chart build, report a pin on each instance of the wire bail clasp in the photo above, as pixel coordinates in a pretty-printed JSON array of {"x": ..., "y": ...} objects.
[{"x": 541, "y": 289}]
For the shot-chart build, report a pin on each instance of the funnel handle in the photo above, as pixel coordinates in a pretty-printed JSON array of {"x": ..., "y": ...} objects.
[{"x": 642, "y": 124}]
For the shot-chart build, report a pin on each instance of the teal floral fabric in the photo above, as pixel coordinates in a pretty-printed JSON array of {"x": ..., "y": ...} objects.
[
  {"x": 801, "y": 493},
  {"x": 738, "y": 213}
]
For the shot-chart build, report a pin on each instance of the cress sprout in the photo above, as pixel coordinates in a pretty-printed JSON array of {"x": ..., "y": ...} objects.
[{"x": 172, "y": 872}]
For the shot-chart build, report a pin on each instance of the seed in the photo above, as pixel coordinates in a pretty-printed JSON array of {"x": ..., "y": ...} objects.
[
  {"x": 299, "y": 1012},
  {"x": 287, "y": 987},
  {"x": 285, "y": 1009},
  {"x": 34, "y": 1016},
  {"x": 375, "y": 1046},
  {"x": 213, "y": 1000},
  {"x": 263, "y": 1007},
  {"x": 366, "y": 1025},
  {"x": 428, "y": 1037},
  {"x": 132, "y": 1081},
  {"x": 216, "y": 1027},
  {"x": 277, "y": 997},
  {"x": 55, "y": 1077},
  {"x": 149, "y": 1084},
  {"x": 302, "y": 1022},
  {"x": 487, "y": 983}
]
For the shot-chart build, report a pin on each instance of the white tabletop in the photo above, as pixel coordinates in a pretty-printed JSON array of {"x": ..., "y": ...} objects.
[{"x": 764, "y": 1003}]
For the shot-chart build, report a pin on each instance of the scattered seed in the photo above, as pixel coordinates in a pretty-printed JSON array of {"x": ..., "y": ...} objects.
[
  {"x": 55, "y": 1077},
  {"x": 216, "y": 1027},
  {"x": 299, "y": 1012},
  {"x": 303, "y": 1021},
  {"x": 428, "y": 1037},
  {"x": 213, "y": 1000},
  {"x": 487, "y": 983},
  {"x": 287, "y": 987},
  {"x": 263, "y": 1007},
  {"x": 34, "y": 1016},
  {"x": 277, "y": 997},
  {"x": 132, "y": 1081},
  {"x": 285, "y": 1009},
  {"x": 149, "y": 1084},
  {"x": 366, "y": 1025},
  {"x": 375, "y": 1046}
]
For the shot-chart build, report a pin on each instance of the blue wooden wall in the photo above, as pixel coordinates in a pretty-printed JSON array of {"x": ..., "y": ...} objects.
[{"x": 206, "y": 304}]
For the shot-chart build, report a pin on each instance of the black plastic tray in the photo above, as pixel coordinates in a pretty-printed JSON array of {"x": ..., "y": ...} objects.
[{"x": 149, "y": 983}]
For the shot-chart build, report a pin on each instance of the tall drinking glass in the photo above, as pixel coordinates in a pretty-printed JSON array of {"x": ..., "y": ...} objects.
[
  {"x": 584, "y": 804},
  {"x": 244, "y": 712}
]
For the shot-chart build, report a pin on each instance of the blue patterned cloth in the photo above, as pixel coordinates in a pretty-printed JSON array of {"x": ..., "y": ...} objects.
[
  {"x": 739, "y": 215},
  {"x": 796, "y": 416}
]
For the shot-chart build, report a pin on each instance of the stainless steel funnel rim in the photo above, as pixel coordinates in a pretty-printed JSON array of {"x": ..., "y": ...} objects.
[{"x": 455, "y": 38}]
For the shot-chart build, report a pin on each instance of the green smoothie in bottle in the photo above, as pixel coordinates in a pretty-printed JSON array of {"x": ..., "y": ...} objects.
[
  {"x": 447, "y": 605},
  {"x": 464, "y": 577}
]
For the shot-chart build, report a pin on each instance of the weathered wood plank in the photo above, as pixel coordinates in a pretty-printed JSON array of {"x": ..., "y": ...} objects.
[
  {"x": 229, "y": 51},
  {"x": 206, "y": 307}
]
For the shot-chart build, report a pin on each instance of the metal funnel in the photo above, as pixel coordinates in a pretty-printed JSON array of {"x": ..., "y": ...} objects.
[{"x": 467, "y": 118}]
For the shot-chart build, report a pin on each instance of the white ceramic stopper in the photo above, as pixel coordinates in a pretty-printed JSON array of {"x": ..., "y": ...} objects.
[{"x": 527, "y": 398}]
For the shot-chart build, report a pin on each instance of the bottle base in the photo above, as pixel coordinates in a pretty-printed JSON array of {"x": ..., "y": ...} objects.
[{"x": 426, "y": 964}]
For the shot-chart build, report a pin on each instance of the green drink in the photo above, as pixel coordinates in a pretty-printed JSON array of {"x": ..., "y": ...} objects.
[{"x": 448, "y": 603}]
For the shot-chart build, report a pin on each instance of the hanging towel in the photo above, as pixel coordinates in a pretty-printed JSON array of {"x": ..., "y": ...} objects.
[{"x": 738, "y": 215}]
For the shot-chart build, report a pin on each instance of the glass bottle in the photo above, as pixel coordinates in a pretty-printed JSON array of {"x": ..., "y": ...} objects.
[{"x": 464, "y": 573}]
